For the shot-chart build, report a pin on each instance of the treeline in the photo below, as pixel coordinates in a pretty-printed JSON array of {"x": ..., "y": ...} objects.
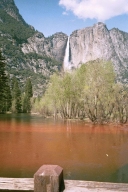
[
  {"x": 11, "y": 97},
  {"x": 89, "y": 92}
]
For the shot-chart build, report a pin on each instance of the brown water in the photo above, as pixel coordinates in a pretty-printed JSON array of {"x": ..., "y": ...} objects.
[{"x": 85, "y": 151}]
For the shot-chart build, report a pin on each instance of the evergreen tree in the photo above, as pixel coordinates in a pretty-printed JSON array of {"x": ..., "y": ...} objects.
[
  {"x": 8, "y": 102},
  {"x": 28, "y": 88},
  {"x": 27, "y": 97},
  {"x": 13, "y": 80},
  {"x": 16, "y": 97},
  {"x": 4, "y": 87}
]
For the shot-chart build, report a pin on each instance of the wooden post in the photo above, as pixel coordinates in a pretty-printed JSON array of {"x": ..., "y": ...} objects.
[{"x": 49, "y": 178}]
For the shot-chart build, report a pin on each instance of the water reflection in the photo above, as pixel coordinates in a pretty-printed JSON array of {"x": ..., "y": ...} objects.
[{"x": 85, "y": 151}]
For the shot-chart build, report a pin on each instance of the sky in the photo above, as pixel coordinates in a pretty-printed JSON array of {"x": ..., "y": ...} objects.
[{"x": 51, "y": 16}]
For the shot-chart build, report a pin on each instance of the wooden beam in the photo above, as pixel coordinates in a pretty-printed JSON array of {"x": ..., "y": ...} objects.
[
  {"x": 93, "y": 186},
  {"x": 49, "y": 178},
  {"x": 27, "y": 184}
]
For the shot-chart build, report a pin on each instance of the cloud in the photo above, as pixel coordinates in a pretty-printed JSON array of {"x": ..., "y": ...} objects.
[
  {"x": 65, "y": 13},
  {"x": 96, "y": 9}
]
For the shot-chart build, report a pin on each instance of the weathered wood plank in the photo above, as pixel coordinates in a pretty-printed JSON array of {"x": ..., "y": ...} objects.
[
  {"x": 49, "y": 178},
  {"x": 92, "y": 186},
  {"x": 27, "y": 184}
]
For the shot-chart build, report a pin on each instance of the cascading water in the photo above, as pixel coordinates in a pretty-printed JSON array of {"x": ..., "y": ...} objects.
[{"x": 66, "y": 65}]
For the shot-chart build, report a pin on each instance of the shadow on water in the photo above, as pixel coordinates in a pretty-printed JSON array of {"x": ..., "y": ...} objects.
[
  {"x": 121, "y": 175},
  {"x": 21, "y": 117}
]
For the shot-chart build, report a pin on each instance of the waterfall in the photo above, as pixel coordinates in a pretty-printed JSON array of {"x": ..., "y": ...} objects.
[{"x": 66, "y": 65}]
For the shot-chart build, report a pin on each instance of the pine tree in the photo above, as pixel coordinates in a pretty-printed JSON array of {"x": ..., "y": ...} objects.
[
  {"x": 4, "y": 86},
  {"x": 13, "y": 80},
  {"x": 8, "y": 96},
  {"x": 28, "y": 88},
  {"x": 16, "y": 97},
  {"x": 27, "y": 97}
]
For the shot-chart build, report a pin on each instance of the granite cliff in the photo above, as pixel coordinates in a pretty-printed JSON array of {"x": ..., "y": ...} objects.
[
  {"x": 53, "y": 46},
  {"x": 11, "y": 9},
  {"x": 98, "y": 42},
  {"x": 29, "y": 53}
]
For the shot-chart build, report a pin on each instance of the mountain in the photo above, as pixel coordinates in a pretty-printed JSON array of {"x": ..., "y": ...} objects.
[
  {"x": 53, "y": 46},
  {"x": 11, "y": 9},
  {"x": 28, "y": 53},
  {"x": 96, "y": 42}
]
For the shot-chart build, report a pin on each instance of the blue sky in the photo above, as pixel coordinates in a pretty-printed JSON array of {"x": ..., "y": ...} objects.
[{"x": 51, "y": 16}]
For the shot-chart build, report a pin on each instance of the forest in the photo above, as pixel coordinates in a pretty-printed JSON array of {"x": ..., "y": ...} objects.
[
  {"x": 12, "y": 98},
  {"x": 90, "y": 92}
]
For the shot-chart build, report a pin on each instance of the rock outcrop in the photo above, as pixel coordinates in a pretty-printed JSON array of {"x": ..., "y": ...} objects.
[
  {"x": 53, "y": 46},
  {"x": 27, "y": 52},
  {"x": 11, "y": 9},
  {"x": 30, "y": 54},
  {"x": 96, "y": 42}
]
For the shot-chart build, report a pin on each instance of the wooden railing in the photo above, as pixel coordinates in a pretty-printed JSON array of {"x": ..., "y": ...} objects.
[{"x": 49, "y": 178}]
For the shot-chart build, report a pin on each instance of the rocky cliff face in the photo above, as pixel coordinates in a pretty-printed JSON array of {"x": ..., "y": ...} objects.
[
  {"x": 98, "y": 42},
  {"x": 27, "y": 52},
  {"x": 120, "y": 44},
  {"x": 53, "y": 46},
  {"x": 11, "y": 9}
]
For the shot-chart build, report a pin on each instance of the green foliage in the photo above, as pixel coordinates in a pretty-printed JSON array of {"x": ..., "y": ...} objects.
[
  {"x": 19, "y": 31},
  {"x": 120, "y": 103},
  {"x": 26, "y": 104},
  {"x": 98, "y": 89},
  {"x": 36, "y": 105},
  {"x": 48, "y": 60},
  {"x": 13, "y": 82},
  {"x": 21, "y": 102},
  {"x": 16, "y": 97},
  {"x": 89, "y": 92},
  {"x": 3, "y": 77},
  {"x": 5, "y": 96},
  {"x": 26, "y": 100},
  {"x": 28, "y": 88},
  {"x": 12, "y": 34},
  {"x": 8, "y": 103}
]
